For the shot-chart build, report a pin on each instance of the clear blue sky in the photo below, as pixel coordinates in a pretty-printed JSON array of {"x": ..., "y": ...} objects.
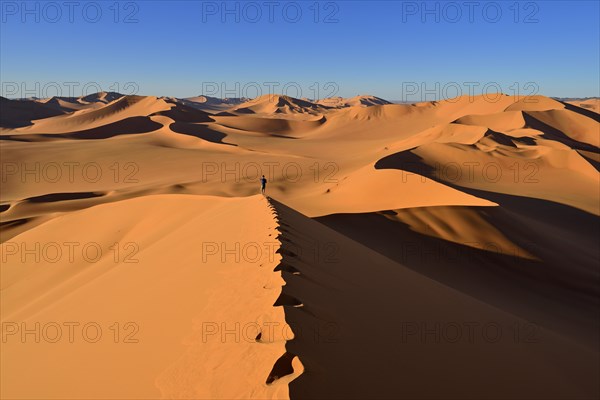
[{"x": 395, "y": 50}]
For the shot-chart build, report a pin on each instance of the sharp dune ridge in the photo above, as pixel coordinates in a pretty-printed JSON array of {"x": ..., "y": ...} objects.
[
  {"x": 325, "y": 297},
  {"x": 321, "y": 303},
  {"x": 386, "y": 231}
]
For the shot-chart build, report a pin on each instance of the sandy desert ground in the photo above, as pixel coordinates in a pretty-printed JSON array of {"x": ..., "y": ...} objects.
[{"x": 445, "y": 249}]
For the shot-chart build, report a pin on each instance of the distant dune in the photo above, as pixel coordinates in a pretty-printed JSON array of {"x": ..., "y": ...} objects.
[
  {"x": 209, "y": 103},
  {"x": 364, "y": 100},
  {"x": 389, "y": 230},
  {"x": 17, "y": 113},
  {"x": 278, "y": 104},
  {"x": 589, "y": 104}
]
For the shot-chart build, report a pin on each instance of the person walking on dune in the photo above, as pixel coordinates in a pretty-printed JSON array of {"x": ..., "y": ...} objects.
[{"x": 263, "y": 184}]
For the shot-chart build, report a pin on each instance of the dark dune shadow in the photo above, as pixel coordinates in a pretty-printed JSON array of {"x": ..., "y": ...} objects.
[
  {"x": 406, "y": 161},
  {"x": 557, "y": 215},
  {"x": 282, "y": 136},
  {"x": 20, "y": 113},
  {"x": 276, "y": 127},
  {"x": 348, "y": 332},
  {"x": 52, "y": 197},
  {"x": 11, "y": 228},
  {"x": 555, "y": 134},
  {"x": 568, "y": 217},
  {"x": 108, "y": 97},
  {"x": 592, "y": 162},
  {"x": 22, "y": 138},
  {"x": 541, "y": 291},
  {"x": 410, "y": 162},
  {"x": 200, "y": 131},
  {"x": 500, "y": 138},
  {"x": 507, "y": 140},
  {"x": 243, "y": 110},
  {"x": 563, "y": 238},
  {"x": 127, "y": 126},
  {"x": 580, "y": 110},
  {"x": 183, "y": 113},
  {"x": 14, "y": 223}
]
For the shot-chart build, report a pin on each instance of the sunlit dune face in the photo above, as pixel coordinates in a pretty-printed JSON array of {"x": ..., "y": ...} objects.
[{"x": 168, "y": 247}]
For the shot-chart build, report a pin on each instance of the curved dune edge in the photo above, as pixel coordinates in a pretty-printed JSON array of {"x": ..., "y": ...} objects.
[
  {"x": 255, "y": 363},
  {"x": 197, "y": 320},
  {"x": 206, "y": 327},
  {"x": 403, "y": 189},
  {"x": 533, "y": 146},
  {"x": 364, "y": 315}
]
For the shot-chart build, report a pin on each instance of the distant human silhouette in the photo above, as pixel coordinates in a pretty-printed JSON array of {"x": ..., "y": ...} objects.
[{"x": 263, "y": 184}]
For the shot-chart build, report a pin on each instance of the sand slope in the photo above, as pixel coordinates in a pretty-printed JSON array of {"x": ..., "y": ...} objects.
[
  {"x": 589, "y": 104},
  {"x": 18, "y": 113},
  {"x": 481, "y": 209},
  {"x": 168, "y": 288},
  {"x": 278, "y": 104},
  {"x": 360, "y": 100},
  {"x": 363, "y": 315}
]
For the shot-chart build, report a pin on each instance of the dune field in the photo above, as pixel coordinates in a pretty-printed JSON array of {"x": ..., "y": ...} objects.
[{"x": 443, "y": 249}]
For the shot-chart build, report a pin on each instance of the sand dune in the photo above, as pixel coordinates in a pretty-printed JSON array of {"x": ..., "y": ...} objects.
[
  {"x": 469, "y": 210},
  {"x": 166, "y": 310},
  {"x": 360, "y": 100},
  {"x": 100, "y": 97},
  {"x": 575, "y": 126},
  {"x": 68, "y": 104},
  {"x": 535, "y": 103},
  {"x": 17, "y": 113},
  {"x": 269, "y": 125},
  {"x": 499, "y": 122},
  {"x": 121, "y": 108},
  {"x": 212, "y": 104},
  {"x": 588, "y": 104},
  {"x": 493, "y": 248},
  {"x": 397, "y": 330},
  {"x": 278, "y": 104}
]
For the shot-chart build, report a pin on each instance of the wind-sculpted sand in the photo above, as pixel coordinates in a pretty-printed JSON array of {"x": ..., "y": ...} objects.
[{"x": 443, "y": 249}]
